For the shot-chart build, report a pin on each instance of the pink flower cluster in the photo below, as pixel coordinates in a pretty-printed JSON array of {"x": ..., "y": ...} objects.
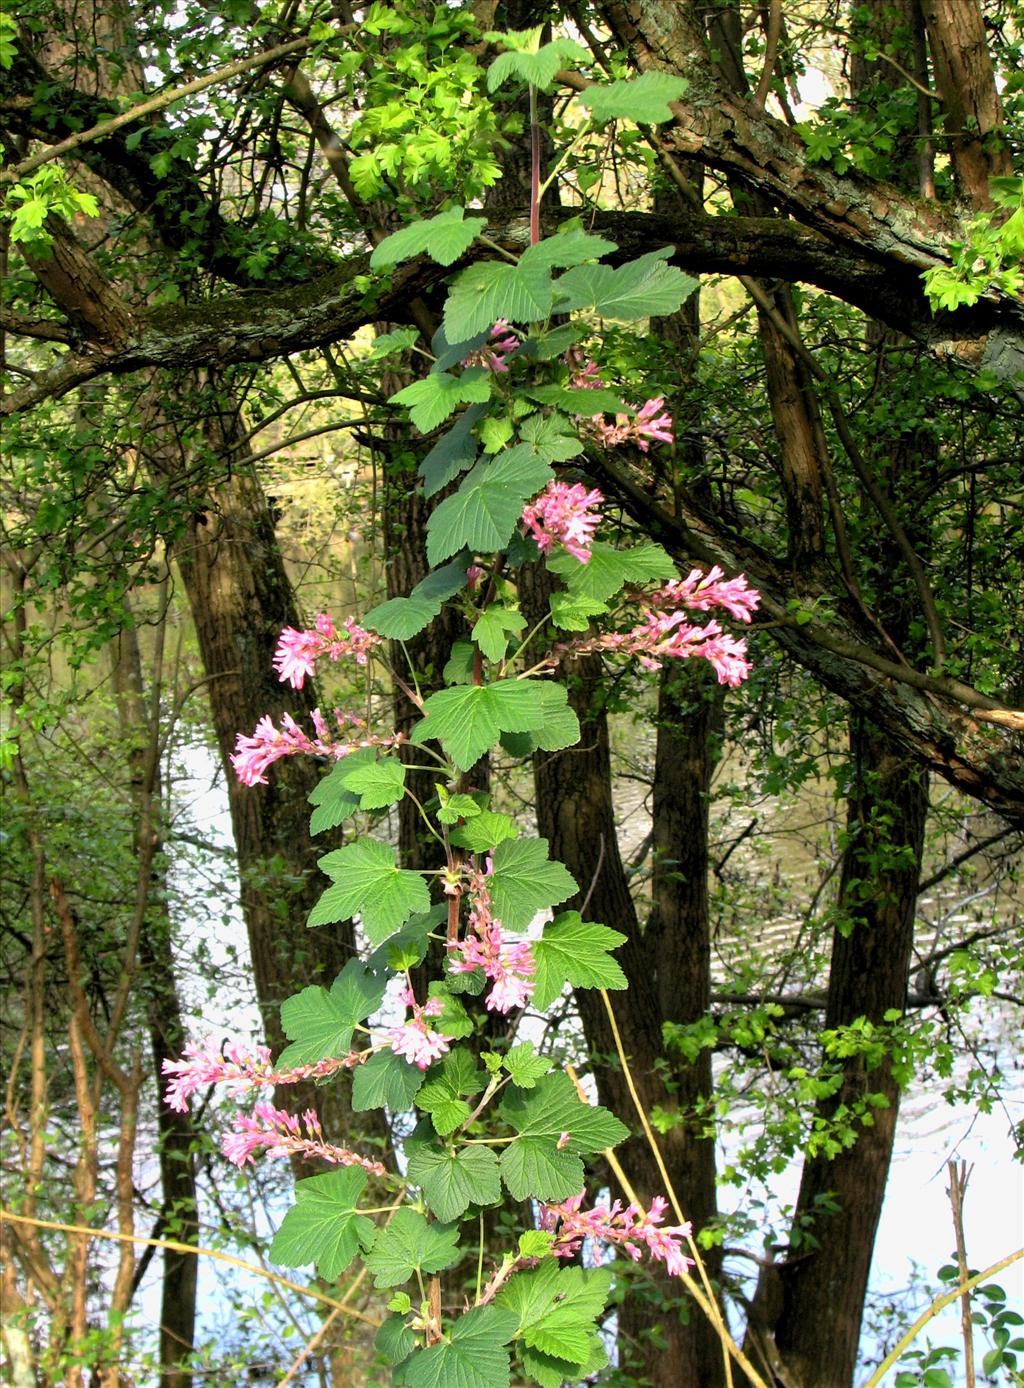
[
  {"x": 508, "y": 964},
  {"x": 268, "y": 744},
  {"x": 631, "y": 1229},
  {"x": 298, "y": 651},
  {"x": 647, "y": 426},
  {"x": 669, "y": 636},
  {"x": 564, "y": 513},
  {"x": 414, "y": 1041},
  {"x": 239, "y": 1070},
  {"x": 283, "y": 1134},
  {"x": 701, "y": 592},
  {"x": 495, "y": 354}
]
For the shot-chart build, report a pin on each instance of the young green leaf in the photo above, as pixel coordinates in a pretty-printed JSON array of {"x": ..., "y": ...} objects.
[
  {"x": 385, "y": 1081},
  {"x": 377, "y": 783},
  {"x": 551, "y": 436},
  {"x": 452, "y": 1181},
  {"x": 395, "y": 1341},
  {"x": 573, "y": 611},
  {"x": 571, "y": 247},
  {"x": 323, "y": 1226},
  {"x": 319, "y": 1023},
  {"x": 485, "y": 832},
  {"x": 402, "y": 618},
  {"x": 467, "y": 719},
  {"x": 525, "y": 1066},
  {"x": 367, "y": 881},
  {"x": 537, "y": 65},
  {"x": 444, "y": 238},
  {"x": 535, "y": 1164},
  {"x": 444, "y": 1096},
  {"x": 456, "y": 807},
  {"x": 409, "y": 1244},
  {"x": 432, "y": 399},
  {"x": 334, "y": 802},
  {"x": 526, "y": 881},
  {"x": 573, "y": 401},
  {"x": 610, "y": 569},
  {"x": 384, "y": 344},
  {"x": 486, "y": 509},
  {"x": 576, "y": 952},
  {"x": 493, "y": 627},
  {"x": 453, "y": 1020},
  {"x": 644, "y": 288},
  {"x": 644, "y": 99},
  {"x": 557, "y": 1310}
]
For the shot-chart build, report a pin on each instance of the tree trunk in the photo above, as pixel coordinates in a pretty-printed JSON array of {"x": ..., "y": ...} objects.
[
  {"x": 823, "y": 1289},
  {"x": 178, "y": 1217}
]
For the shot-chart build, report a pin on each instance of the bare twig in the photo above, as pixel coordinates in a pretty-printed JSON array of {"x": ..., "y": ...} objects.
[{"x": 956, "y": 1190}]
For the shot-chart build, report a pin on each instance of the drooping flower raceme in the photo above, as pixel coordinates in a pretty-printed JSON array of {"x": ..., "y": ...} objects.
[
  {"x": 565, "y": 515},
  {"x": 665, "y": 632},
  {"x": 209, "y": 1062},
  {"x": 282, "y": 1134},
  {"x": 508, "y": 964},
  {"x": 298, "y": 651},
  {"x": 414, "y": 1041},
  {"x": 632, "y": 1229},
  {"x": 651, "y": 423},
  {"x": 268, "y": 744}
]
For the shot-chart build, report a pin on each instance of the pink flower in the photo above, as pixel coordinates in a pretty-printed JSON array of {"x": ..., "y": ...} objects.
[
  {"x": 508, "y": 964},
  {"x": 648, "y": 424},
  {"x": 631, "y": 1229},
  {"x": 563, "y": 513},
  {"x": 414, "y": 1041},
  {"x": 495, "y": 354},
  {"x": 268, "y": 744},
  {"x": 283, "y": 1134},
  {"x": 701, "y": 592},
  {"x": 298, "y": 651},
  {"x": 207, "y": 1062}
]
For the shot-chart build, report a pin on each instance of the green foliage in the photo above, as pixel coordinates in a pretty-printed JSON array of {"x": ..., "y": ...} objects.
[
  {"x": 45, "y": 193},
  {"x": 990, "y": 259},
  {"x": 319, "y": 1023},
  {"x": 576, "y": 952},
  {"x": 323, "y": 1226},
  {"x": 368, "y": 882},
  {"x": 409, "y": 1244}
]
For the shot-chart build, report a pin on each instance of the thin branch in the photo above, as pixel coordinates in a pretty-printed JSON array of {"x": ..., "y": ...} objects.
[{"x": 147, "y": 108}]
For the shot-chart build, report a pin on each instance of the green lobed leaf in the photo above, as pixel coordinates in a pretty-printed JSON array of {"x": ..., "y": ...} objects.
[
  {"x": 384, "y": 344},
  {"x": 385, "y": 1081},
  {"x": 644, "y": 99},
  {"x": 557, "y": 1308},
  {"x": 455, "y": 452},
  {"x": 444, "y": 1096},
  {"x": 395, "y": 1340},
  {"x": 377, "y": 783},
  {"x": 573, "y": 246},
  {"x": 473, "y": 1357},
  {"x": 550, "y": 435},
  {"x": 452, "y": 1181},
  {"x": 457, "y": 807},
  {"x": 573, "y": 611},
  {"x": 444, "y": 238},
  {"x": 525, "y": 1067},
  {"x": 485, "y": 510},
  {"x": 561, "y": 726},
  {"x": 467, "y": 719},
  {"x": 550, "y": 1372},
  {"x": 525, "y": 881},
  {"x": 367, "y": 881},
  {"x": 576, "y": 952},
  {"x": 402, "y": 618},
  {"x": 493, "y": 289},
  {"x": 432, "y": 399},
  {"x": 537, "y": 64},
  {"x": 610, "y": 569},
  {"x": 453, "y": 1020},
  {"x": 334, "y": 802},
  {"x": 492, "y": 629},
  {"x": 319, "y": 1023},
  {"x": 535, "y": 1165},
  {"x": 409, "y": 1244},
  {"x": 485, "y": 831},
  {"x": 323, "y": 1225},
  {"x": 644, "y": 288},
  {"x": 570, "y": 400}
]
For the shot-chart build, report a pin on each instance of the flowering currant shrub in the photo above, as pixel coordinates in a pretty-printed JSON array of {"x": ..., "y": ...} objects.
[{"x": 514, "y": 349}]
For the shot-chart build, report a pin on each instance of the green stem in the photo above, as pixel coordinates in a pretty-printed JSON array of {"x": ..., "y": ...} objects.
[{"x": 939, "y": 1304}]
